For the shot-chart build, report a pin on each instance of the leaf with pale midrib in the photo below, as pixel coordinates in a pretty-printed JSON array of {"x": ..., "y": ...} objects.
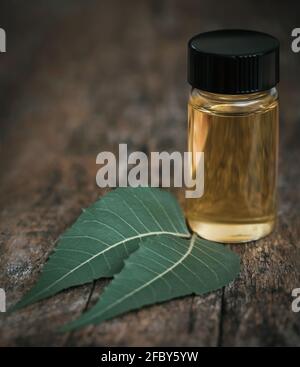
[
  {"x": 104, "y": 235},
  {"x": 163, "y": 268}
]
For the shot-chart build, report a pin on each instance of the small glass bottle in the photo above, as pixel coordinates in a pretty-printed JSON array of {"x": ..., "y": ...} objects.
[{"x": 233, "y": 119}]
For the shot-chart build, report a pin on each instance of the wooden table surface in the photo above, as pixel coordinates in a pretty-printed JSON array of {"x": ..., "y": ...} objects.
[{"x": 80, "y": 77}]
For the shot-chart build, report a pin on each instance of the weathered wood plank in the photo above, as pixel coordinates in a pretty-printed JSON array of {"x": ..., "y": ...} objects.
[
  {"x": 81, "y": 79},
  {"x": 69, "y": 111}
]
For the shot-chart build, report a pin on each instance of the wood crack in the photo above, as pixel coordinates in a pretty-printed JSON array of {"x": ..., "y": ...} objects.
[
  {"x": 68, "y": 342},
  {"x": 221, "y": 320}
]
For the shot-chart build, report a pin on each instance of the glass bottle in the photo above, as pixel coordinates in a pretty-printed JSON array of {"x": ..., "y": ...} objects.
[{"x": 233, "y": 119}]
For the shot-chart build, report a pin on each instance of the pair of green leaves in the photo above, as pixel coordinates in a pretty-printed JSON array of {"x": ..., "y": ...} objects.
[{"x": 143, "y": 228}]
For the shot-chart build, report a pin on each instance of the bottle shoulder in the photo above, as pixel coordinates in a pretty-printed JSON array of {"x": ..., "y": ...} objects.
[{"x": 233, "y": 104}]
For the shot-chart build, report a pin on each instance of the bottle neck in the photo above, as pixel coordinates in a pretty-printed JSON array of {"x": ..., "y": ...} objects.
[
  {"x": 233, "y": 103},
  {"x": 236, "y": 97}
]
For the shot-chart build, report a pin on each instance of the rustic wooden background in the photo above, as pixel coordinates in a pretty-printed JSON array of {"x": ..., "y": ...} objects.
[{"x": 79, "y": 77}]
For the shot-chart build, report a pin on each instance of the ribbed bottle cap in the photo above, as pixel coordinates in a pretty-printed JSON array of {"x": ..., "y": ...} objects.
[{"x": 233, "y": 61}]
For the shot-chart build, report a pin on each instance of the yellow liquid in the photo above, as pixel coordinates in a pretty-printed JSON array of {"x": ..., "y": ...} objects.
[{"x": 240, "y": 170}]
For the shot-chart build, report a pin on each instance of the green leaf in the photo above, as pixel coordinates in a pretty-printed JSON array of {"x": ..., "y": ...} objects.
[
  {"x": 163, "y": 268},
  {"x": 104, "y": 235}
]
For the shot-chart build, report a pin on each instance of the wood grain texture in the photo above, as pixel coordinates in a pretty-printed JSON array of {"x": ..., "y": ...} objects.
[{"x": 82, "y": 77}]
